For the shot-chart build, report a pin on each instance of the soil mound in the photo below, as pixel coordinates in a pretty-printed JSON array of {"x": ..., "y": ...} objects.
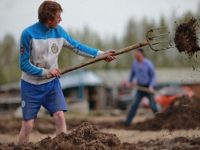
[
  {"x": 182, "y": 114},
  {"x": 85, "y": 137}
]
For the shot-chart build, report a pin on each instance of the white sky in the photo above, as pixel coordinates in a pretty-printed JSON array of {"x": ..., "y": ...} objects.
[{"x": 107, "y": 17}]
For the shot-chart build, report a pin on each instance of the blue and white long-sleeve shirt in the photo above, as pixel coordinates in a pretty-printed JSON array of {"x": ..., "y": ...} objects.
[
  {"x": 143, "y": 73},
  {"x": 40, "y": 47}
]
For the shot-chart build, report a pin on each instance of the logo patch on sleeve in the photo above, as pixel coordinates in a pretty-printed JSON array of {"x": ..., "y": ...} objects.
[{"x": 22, "y": 49}]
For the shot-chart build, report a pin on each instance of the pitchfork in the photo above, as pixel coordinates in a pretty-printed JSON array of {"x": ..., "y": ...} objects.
[{"x": 157, "y": 39}]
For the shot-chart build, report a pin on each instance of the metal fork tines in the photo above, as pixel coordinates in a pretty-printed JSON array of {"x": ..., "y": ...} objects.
[{"x": 159, "y": 39}]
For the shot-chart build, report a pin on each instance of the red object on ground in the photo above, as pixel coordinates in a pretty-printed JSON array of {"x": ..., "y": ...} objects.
[{"x": 168, "y": 94}]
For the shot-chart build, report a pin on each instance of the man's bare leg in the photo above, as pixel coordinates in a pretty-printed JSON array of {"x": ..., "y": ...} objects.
[
  {"x": 60, "y": 123},
  {"x": 25, "y": 131}
]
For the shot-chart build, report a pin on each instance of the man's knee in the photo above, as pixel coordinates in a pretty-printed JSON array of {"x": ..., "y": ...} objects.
[
  {"x": 59, "y": 115},
  {"x": 27, "y": 126}
]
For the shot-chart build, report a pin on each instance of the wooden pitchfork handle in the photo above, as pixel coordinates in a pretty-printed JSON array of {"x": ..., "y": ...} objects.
[
  {"x": 144, "y": 89},
  {"x": 100, "y": 58}
]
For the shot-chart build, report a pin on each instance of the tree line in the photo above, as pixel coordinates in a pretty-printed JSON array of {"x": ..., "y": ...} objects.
[{"x": 135, "y": 31}]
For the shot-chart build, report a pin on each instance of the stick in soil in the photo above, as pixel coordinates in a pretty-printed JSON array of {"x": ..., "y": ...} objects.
[{"x": 186, "y": 39}]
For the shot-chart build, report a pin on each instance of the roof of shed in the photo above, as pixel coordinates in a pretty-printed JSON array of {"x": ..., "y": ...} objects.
[{"x": 80, "y": 77}]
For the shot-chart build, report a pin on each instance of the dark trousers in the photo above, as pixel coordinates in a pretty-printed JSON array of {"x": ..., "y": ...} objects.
[{"x": 135, "y": 105}]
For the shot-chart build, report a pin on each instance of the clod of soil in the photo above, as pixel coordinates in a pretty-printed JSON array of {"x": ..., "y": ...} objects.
[
  {"x": 186, "y": 39},
  {"x": 88, "y": 137},
  {"x": 182, "y": 114},
  {"x": 85, "y": 137}
]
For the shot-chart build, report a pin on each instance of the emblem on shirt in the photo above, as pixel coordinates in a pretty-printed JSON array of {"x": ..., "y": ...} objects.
[{"x": 54, "y": 48}]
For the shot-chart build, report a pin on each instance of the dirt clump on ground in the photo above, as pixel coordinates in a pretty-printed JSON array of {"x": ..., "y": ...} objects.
[
  {"x": 186, "y": 39},
  {"x": 89, "y": 137},
  {"x": 183, "y": 113},
  {"x": 86, "y": 136}
]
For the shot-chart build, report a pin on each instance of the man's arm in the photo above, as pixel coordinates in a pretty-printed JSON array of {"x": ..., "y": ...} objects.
[
  {"x": 25, "y": 64},
  {"x": 78, "y": 48}
]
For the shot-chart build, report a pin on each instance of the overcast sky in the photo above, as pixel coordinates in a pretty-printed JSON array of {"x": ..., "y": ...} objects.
[{"x": 106, "y": 17}]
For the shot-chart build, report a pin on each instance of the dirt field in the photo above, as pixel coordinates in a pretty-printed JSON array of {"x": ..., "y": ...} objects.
[
  {"x": 88, "y": 136},
  {"x": 175, "y": 128}
]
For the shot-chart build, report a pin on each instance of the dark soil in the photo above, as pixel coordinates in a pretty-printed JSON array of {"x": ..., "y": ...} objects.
[
  {"x": 186, "y": 39},
  {"x": 88, "y": 137},
  {"x": 182, "y": 114}
]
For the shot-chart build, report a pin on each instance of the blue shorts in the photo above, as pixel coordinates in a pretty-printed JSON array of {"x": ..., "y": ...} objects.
[{"x": 49, "y": 95}]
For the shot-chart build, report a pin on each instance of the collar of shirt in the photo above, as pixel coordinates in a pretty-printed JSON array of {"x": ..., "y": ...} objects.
[{"x": 44, "y": 27}]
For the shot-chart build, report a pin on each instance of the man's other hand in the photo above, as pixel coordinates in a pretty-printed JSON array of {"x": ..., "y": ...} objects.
[
  {"x": 55, "y": 72},
  {"x": 151, "y": 89},
  {"x": 129, "y": 85},
  {"x": 110, "y": 56}
]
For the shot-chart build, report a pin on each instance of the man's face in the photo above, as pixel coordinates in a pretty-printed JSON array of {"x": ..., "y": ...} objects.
[
  {"x": 53, "y": 23},
  {"x": 139, "y": 56}
]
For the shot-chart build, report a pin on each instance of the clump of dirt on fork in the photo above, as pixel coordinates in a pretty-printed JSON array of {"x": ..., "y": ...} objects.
[
  {"x": 186, "y": 39},
  {"x": 183, "y": 113}
]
